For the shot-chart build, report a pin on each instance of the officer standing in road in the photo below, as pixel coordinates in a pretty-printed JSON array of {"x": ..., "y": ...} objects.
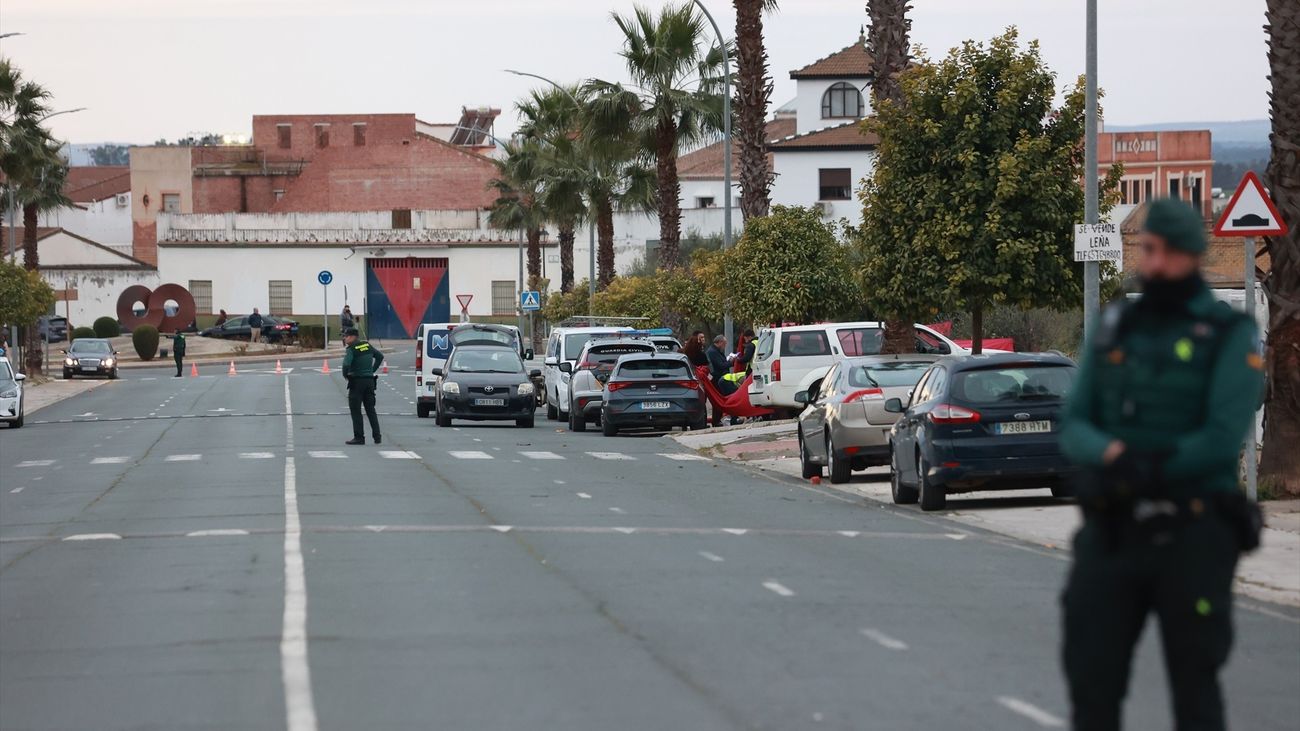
[
  {"x": 361, "y": 363},
  {"x": 178, "y": 351},
  {"x": 1163, "y": 400}
]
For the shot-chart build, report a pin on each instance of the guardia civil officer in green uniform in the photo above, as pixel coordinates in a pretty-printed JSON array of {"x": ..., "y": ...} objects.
[
  {"x": 178, "y": 351},
  {"x": 1165, "y": 393},
  {"x": 361, "y": 363}
]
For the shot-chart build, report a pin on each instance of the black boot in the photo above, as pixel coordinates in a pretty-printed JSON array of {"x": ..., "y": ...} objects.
[
  {"x": 356, "y": 440},
  {"x": 379, "y": 439}
]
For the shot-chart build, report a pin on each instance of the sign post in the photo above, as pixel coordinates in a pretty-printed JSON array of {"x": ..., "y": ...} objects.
[
  {"x": 1098, "y": 242},
  {"x": 325, "y": 277},
  {"x": 464, "y": 300},
  {"x": 1250, "y": 213}
]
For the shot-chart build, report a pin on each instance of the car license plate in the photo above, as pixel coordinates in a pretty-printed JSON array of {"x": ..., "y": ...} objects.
[
  {"x": 1024, "y": 427},
  {"x": 489, "y": 402},
  {"x": 90, "y": 368},
  {"x": 649, "y": 405}
]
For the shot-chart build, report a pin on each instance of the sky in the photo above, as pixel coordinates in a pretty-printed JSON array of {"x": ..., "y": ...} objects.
[{"x": 149, "y": 69}]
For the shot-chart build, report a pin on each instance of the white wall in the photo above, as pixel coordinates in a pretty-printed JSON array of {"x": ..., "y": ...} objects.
[
  {"x": 808, "y": 103},
  {"x": 97, "y": 290},
  {"x": 103, "y": 222},
  {"x": 798, "y": 182}
]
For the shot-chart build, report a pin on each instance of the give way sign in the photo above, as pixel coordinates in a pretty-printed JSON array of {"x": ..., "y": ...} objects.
[{"x": 1250, "y": 212}]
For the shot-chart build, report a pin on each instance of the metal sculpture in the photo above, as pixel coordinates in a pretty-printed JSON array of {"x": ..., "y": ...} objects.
[{"x": 155, "y": 312}]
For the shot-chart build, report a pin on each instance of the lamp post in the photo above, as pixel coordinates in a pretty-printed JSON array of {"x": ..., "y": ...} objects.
[
  {"x": 727, "y": 325},
  {"x": 1091, "y": 269}
]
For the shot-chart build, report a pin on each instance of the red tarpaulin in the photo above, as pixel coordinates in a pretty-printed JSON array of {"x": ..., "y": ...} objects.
[{"x": 1007, "y": 344}]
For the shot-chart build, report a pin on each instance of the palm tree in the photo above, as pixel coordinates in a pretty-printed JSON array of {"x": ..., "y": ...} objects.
[
  {"x": 1281, "y": 460},
  {"x": 753, "y": 93},
  {"x": 887, "y": 42},
  {"x": 552, "y": 118},
  {"x": 517, "y": 206},
  {"x": 672, "y": 100}
]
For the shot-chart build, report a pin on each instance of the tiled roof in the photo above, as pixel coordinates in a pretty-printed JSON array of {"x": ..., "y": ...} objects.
[
  {"x": 91, "y": 183},
  {"x": 847, "y": 136},
  {"x": 706, "y": 162},
  {"x": 851, "y": 62}
]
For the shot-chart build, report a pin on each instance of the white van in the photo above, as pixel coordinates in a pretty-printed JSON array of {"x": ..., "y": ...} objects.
[
  {"x": 432, "y": 346},
  {"x": 565, "y": 344},
  {"x": 788, "y": 360}
]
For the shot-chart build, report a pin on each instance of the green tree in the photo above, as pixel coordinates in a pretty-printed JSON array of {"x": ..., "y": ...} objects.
[
  {"x": 976, "y": 187},
  {"x": 787, "y": 266},
  {"x": 110, "y": 155},
  {"x": 24, "y": 297}
]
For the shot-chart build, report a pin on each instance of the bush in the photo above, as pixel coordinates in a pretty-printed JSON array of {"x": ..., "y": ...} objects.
[
  {"x": 107, "y": 327},
  {"x": 311, "y": 336},
  {"x": 145, "y": 340},
  {"x": 81, "y": 332}
]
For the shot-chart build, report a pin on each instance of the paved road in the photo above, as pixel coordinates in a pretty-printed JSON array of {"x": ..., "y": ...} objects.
[{"x": 216, "y": 558}]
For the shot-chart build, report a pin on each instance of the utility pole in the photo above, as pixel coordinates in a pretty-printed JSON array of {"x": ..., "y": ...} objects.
[
  {"x": 728, "y": 325},
  {"x": 1091, "y": 269}
]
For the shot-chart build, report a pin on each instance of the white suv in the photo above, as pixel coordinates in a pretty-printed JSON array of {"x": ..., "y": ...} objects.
[
  {"x": 564, "y": 345},
  {"x": 11, "y": 394},
  {"x": 788, "y": 360}
]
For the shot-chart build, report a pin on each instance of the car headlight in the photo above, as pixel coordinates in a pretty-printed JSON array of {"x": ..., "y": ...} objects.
[
  {"x": 11, "y": 393},
  {"x": 69, "y": 362},
  {"x": 450, "y": 387},
  {"x": 525, "y": 389},
  {"x": 108, "y": 362}
]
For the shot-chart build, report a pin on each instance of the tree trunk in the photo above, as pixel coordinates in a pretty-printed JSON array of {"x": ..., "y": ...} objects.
[
  {"x": 753, "y": 92},
  {"x": 605, "y": 237},
  {"x": 898, "y": 338},
  {"x": 566, "y": 258},
  {"x": 977, "y": 330},
  {"x": 534, "y": 254},
  {"x": 32, "y": 352},
  {"x": 670, "y": 193},
  {"x": 1280, "y": 463}
]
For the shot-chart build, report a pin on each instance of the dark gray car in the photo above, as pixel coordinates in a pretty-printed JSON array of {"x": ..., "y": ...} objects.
[
  {"x": 484, "y": 383},
  {"x": 90, "y": 357},
  {"x": 652, "y": 390}
]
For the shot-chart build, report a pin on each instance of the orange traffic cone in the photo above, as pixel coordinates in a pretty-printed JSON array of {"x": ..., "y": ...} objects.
[
  {"x": 325, "y": 366},
  {"x": 278, "y": 369},
  {"x": 232, "y": 372},
  {"x": 385, "y": 368},
  {"x": 194, "y": 370}
]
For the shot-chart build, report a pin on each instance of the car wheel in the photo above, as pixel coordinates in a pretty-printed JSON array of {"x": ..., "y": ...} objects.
[
  {"x": 526, "y": 422},
  {"x": 902, "y": 494},
  {"x": 607, "y": 428},
  {"x": 552, "y": 413},
  {"x": 933, "y": 496},
  {"x": 1062, "y": 489},
  {"x": 577, "y": 422},
  {"x": 422, "y": 411},
  {"x": 839, "y": 468},
  {"x": 17, "y": 423},
  {"x": 443, "y": 419},
  {"x": 67, "y": 374},
  {"x": 701, "y": 423},
  {"x": 806, "y": 465},
  {"x": 112, "y": 375}
]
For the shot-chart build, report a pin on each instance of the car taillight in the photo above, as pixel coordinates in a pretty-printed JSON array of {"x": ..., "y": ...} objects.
[
  {"x": 693, "y": 385},
  {"x": 283, "y": 327},
  {"x": 866, "y": 394},
  {"x": 617, "y": 385},
  {"x": 776, "y": 371},
  {"x": 950, "y": 414}
]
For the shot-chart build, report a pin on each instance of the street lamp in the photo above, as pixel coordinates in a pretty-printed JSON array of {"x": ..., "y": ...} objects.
[
  {"x": 1091, "y": 269},
  {"x": 727, "y": 324}
]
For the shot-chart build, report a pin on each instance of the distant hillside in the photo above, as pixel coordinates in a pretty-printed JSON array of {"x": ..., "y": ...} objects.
[{"x": 1246, "y": 131}]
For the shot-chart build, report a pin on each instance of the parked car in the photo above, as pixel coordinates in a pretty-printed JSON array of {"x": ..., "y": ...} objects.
[
  {"x": 666, "y": 343},
  {"x": 587, "y": 378},
  {"x": 564, "y": 344},
  {"x": 981, "y": 422},
  {"x": 11, "y": 394},
  {"x": 485, "y": 382},
  {"x": 274, "y": 329},
  {"x": 844, "y": 426},
  {"x": 788, "y": 360},
  {"x": 432, "y": 347},
  {"x": 653, "y": 390},
  {"x": 474, "y": 333},
  {"x": 90, "y": 357},
  {"x": 52, "y": 328}
]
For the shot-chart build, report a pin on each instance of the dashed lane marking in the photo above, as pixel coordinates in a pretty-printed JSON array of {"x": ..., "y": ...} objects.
[
  {"x": 736, "y": 531},
  {"x": 256, "y": 455},
  {"x": 93, "y": 537},
  {"x": 1031, "y": 711},
  {"x": 712, "y": 556},
  {"x": 398, "y": 454},
  {"x": 214, "y": 532},
  {"x": 183, "y": 458},
  {"x": 501, "y": 528},
  {"x": 626, "y": 531},
  {"x": 108, "y": 460},
  {"x": 610, "y": 455},
  {"x": 15, "y": 491},
  {"x": 582, "y": 495},
  {"x": 326, "y": 454},
  {"x": 470, "y": 454},
  {"x": 684, "y": 457},
  {"x": 849, "y": 533},
  {"x": 35, "y": 463},
  {"x": 884, "y": 640},
  {"x": 541, "y": 455},
  {"x": 620, "y": 511},
  {"x": 777, "y": 588},
  {"x": 559, "y": 482}
]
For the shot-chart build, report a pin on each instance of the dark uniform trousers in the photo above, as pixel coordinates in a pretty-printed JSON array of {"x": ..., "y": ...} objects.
[
  {"x": 1124, "y": 570},
  {"x": 361, "y": 392}
]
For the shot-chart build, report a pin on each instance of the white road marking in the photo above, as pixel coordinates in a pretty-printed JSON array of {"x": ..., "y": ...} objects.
[
  {"x": 1031, "y": 711},
  {"x": 620, "y": 511},
  {"x": 736, "y": 531},
  {"x": 712, "y": 556},
  {"x": 502, "y": 528},
  {"x": 398, "y": 454},
  {"x": 326, "y": 453},
  {"x": 375, "y": 528},
  {"x": 108, "y": 460},
  {"x": 626, "y": 531},
  {"x": 541, "y": 455},
  {"x": 216, "y": 532},
  {"x": 256, "y": 455},
  {"x": 884, "y": 640},
  {"x": 295, "y": 672},
  {"x": 15, "y": 491},
  {"x": 683, "y": 457},
  {"x": 35, "y": 463},
  {"x": 93, "y": 537},
  {"x": 477, "y": 439},
  {"x": 470, "y": 454},
  {"x": 559, "y": 482},
  {"x": 610, "y": 455},
  {"x": 849, "y": 533},
  {"x": 183, "y": 458},
  {"x": 584, "y": 496},
  {"x": 777, "y": 588},
  {"x": 956, "y": 536}
]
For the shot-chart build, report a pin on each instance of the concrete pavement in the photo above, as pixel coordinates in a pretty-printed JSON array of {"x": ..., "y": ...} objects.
[{"x": 217, "y": 558}]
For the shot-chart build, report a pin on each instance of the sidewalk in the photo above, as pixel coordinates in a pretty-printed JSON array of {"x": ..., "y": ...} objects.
[
  {"x": 1272, "y": 573},
  {"x": 39, "y": 395}
]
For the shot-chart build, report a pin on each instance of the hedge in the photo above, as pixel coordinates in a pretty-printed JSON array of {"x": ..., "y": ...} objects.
[
  {"x": 311, "y": 336},
  {"x": 82, "y": 332},
  {"x": 145, "y": 340},
  {"x": 107, "y": 327}
]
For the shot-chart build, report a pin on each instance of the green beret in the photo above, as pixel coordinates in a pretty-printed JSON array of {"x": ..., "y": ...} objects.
[{"x": 1177, "y": 223}]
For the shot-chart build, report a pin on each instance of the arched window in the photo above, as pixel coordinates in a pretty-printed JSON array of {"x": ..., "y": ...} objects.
[{"x": 842, "y": 101}]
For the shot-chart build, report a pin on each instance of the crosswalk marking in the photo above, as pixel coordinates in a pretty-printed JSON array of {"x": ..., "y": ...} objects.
[
  {"x": 256, "y": 455},
  {"x": 470, "y": 454},
  {"x": 398, "y": 454},
  {"x": 611, "y": 455},
  {"x": 683, "y": 457},
  {"x": 108, "y": 460},
  {"x": 36, "y": 463},
  {"x": 183, "y": 458},
  {"x": 541, "y": 455},
  {"x": 327, "y": 454}
]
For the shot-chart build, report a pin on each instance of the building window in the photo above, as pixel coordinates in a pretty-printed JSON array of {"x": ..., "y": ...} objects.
[
  {"x": 1175, "y": 188},
  {"x": 280, "y": 296},
  {"x": 503, "y": 297},
  {"x": 402, "y": 218},
  {"x": 834, "y": 184},
  {"x": 842, "y": 101},
  {"x": 171, "y": 202},
  {"x": 322, "y": 135},
  {"x": 277, "y": 193},
  {"x": 1148, "y": 189},
  {"x": 359, "y": 134},
  {"x": 704, "y": 201},
  {"x": 201, "y": 289},
  {"x": 284, "y": 135}
]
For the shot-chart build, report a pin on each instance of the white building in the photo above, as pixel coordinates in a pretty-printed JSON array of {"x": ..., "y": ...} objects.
[
  {"x": 86, "y": 275},
  {"x": 100, "y": 208}
]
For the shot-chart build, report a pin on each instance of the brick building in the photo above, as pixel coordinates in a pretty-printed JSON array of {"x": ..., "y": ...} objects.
[{"x": 1160, "y": 164}]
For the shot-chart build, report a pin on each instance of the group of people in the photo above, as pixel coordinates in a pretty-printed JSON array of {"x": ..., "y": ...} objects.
[{"x": 726, "y": 370}]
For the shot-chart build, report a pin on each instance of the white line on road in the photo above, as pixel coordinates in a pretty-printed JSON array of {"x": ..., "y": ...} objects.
[
  {"x": 108, "y": 460},
  {"x": 93, "y": 537},
  {"x": 501, "y": 528},
  {"x": 15, "y": 491},
  {"x": 683, "y": 457},
  {"x": 620, "y": 511},
  {"x": 1031, "y": 711},
  {"x": 376, "y": 528},
  {"x": 559, "y": 482},
  {"x": 398, "y": 454},
  {"x": 849, "y": 533},
  {"x": 610, "y": 455},
  {"x": 295, "y": 672},
  {"x": 956, "y": 536},
  {"x": 211, "y": 532},
  {"x": 183, "y": 458},
  {"x": 736, "y": 531},
  {"x": 541, "y": 455},
  {"x": 256, "y": 455},
  {"x": 470, "y": 454},
  {"x": 327, "y": 453},
  {"x": 35, "y": 463},
  {"x": 777, "y": 588},
  {"x": 584, "y": 496},
  {"x": 884, "y": 640},
  {"x": 626, "y": 531},
  {"x": 712, "y": 556}
]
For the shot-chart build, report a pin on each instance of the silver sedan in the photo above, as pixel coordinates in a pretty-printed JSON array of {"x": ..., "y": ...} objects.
[{"x": 844, "y": 425}]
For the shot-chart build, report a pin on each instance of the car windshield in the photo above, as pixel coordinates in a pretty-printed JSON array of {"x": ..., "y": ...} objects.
[
  {"x": 468, "y": 335},
  {"x": 885, "y": 375},
  {"x": 574, "y": 342},
  {"x": 1018, "y": 383},
  {"x": 6, "y": 373},
  {"x": 486, "y": 361},
  {"x": 100, "y": 347},
  {"x": 654, "y": 369}
]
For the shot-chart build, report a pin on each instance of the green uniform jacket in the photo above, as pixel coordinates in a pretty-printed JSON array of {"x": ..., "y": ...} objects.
[
  {"x": 178, "y": 344},
  {"x": 361, "y": 360},
  {"x": 1186, "y": 384}
]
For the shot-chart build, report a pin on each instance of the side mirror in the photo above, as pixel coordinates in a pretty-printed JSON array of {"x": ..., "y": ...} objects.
[
  {"x": 64, "y": 351},
  {"x": 528, "y": 354},
  {"x": 20, "y": 376},
  {"x": 436, "y": 371},
  {"x": 550, "y": 361},
  {"x": 894, "y": 405},
  {"x": 535, "y": 373},
  {"x": 566, "y": 367},
  {"x": 801, "y": 397}
]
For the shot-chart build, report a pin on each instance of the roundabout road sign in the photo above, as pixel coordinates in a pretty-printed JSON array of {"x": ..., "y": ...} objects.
[{"x": 325, "y": 277}]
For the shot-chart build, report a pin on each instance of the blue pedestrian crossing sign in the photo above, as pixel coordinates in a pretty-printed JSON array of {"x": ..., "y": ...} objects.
[
  {"x": 325, "y": 277},
  {"x": 530, "y": 300}
]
